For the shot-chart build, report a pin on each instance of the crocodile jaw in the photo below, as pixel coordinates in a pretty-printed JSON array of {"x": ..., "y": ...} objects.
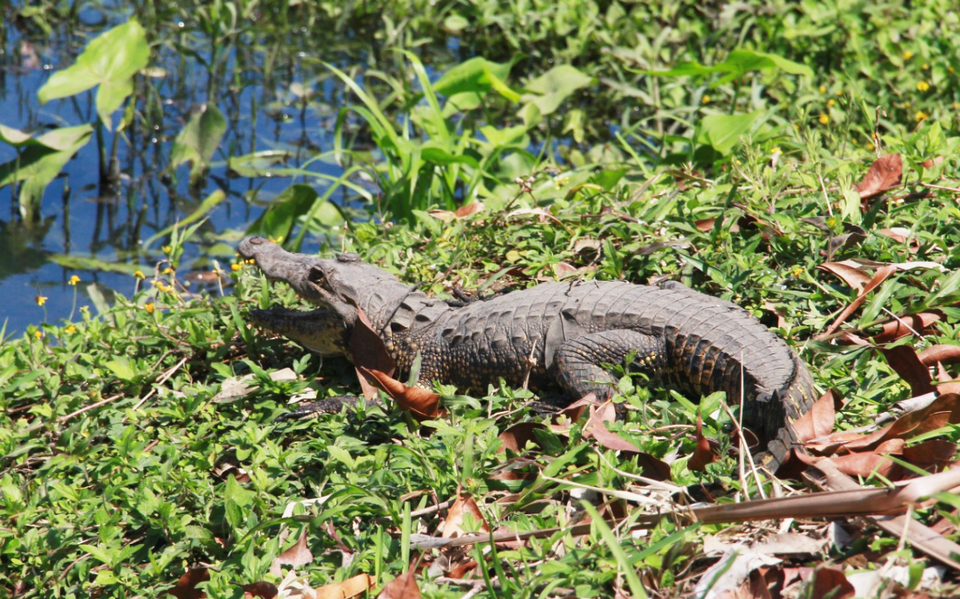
[{"x": 322, "y": 331}]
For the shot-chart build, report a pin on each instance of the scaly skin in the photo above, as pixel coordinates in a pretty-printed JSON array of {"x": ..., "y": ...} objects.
[{"x": 558, "y": 335}]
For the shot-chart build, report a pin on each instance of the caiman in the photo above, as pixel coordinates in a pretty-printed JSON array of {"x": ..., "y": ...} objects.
[{"x": 552, "y": 335}]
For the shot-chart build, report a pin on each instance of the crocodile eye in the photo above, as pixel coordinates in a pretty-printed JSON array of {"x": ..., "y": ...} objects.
[{"x": 318, "y": 278}]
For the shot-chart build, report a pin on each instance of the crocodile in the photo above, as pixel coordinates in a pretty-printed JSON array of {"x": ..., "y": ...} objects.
[{"x": 553, "y": 335}]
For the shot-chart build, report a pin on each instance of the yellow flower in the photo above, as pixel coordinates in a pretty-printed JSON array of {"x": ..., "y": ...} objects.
[
  {"x": 925, "y": 67},
  {"x": 705, "y": 100},
  {"x": 797, "y": 271},
  {"x": 139, "y": 274},
  {"x": 167, "y": 249},
  {"x": 870, "y": 147},
  {"x": 839, "y": 92},
  {"x": 70, "y": 329},
  {"x": 74, "y": 279},
  {"x": 235, "y": 267},
  {"x": 824, "y": 119},
  {"x": 921, "y": 115},
  {"x": 823, "y": 89},
  {"x": 775, "y": 150},
  {"x": 41, "y": 299},
  {"x": 149, "y": 307},
  {"x": 167, "y": 270},
  {"x": 831, "y": 102},
  {"x": 38, "y": 334},
  {"x": 922, "y": 86},
  {"x": 907, "y": 55},
  {"x": 561, "y": 181}
]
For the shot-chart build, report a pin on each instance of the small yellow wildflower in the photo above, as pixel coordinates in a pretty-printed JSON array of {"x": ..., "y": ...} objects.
[
  {"x": 922, "y": 86},
  {"x": 921, "y": 115},
  {"x": 235, "y": 267},
  {"x": 831, "y": 102},
  {"x": 149, "y": 307},
  {"x": 139, "y": 275},
  {"x": 870, "y": 147},
  {"x": 907, "y": 55},
  {"x": 167, "y": 270},
  {"x": 41, "y": 299},
  {"x": 832, "y": 222},
  {"x": 70, "y": 329},
  {"x": 925, "y": 67},
  {"x": 775, "y": 150},
  {"x": 797, "y": 271},
  {"x": 167, "y": 249},
  {"x": 824, "y": 119},
  {"x": 74, "y": 279},
  {"x": 705, "y": 100},
  {"x": 38, "y": 334},
  {"x": 561, "y": 181},
  {"x": 839, "y": 92},
  {"x": 823, "y": 89}
]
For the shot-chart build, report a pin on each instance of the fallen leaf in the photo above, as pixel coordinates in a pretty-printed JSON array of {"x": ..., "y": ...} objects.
[
  {"x": 262, "y": 590},
  {"x": 832, "y": 582},
  {"x": 369, "y": 351},
  {"x": 940, "y": 354},
  {"x": 423, "y": 404},
  {"x": 517, "y": 436},
  {"x": 596, "y": 428},
  {"x": 453, "y": 524},
  {"x": 819, "y": 419},
  {"x": 881, "y": 275},
  {"x": 703, "y": 453},
  {"x": 884, "y": 174},
  {"x": 401, "y": 587},
  {"x": 900, "y": 234},
  {"x": 298, "y": 555},
  {"x": 350, "y": 587},
  {"x": 907, "y": 325},
  {"x": 905, "y": 362},
  {"x": 468, "y": 209},
  {"x": 853, "y": 277},
  {"x": 186, "y": 587}
]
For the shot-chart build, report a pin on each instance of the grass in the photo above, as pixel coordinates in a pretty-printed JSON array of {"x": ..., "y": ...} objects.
[{"x": 123, "y": 464}]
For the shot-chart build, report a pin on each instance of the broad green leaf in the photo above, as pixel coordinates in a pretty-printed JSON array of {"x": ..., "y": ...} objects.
[
  {"x": 39, "y": 164},
  {"x": 12, "y": 136},
  {"x": 503, "y": 137},
  {"x": 850, "y": 209},
  {"x": 555, "y": 86},
  {"x": 257, "y": 164},
  {"x": 737, "y": 63},
  {"x": 93, "y": 264},
  {"x": 475, "y": 75},
  {"x": 723, "y": 131},
  {"x": 120, "y": 367},
  {"x": 278, "y": 220},
  {"x": 199, "y": 139},
  {"x": 109, "y": 60}
]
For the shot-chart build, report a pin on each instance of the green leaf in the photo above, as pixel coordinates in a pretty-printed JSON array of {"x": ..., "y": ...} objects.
[
  {"x": 120, "y": 367},
  {"x": 475, "y": 75},
  {"x": 208, "y": 204},
  {"x": 723, "y": 131},
  {"x": 199, "y": 139},
  {"x": 555, "y": 86},
  {"x": 41, "y": 162},
  {"x": 278, "y": 220},
  {"x": 257, "y": 164},
  {"x": 737, "y": 63},
  {"x": 12, "y": 136},
  {"x": 110, "y": 60}
]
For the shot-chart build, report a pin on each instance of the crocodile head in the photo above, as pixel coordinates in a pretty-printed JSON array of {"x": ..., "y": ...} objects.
[{"x": 327, "y": 329}]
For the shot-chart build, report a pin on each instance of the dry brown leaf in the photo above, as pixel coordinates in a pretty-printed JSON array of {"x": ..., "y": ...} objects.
[
  {"x": 596, "y": 428},
  {"x": 853, "y": 277},
  {"x": 468, "y": 209},
  {"x": 453, "y": 524},
  {"x": 401, "y": 587},
  {"x": 369, "y": 351},
  {"x": 905, "y": 362},
  {"x": 907, "y": 325},
  {"x": 517, "y": 436},
  {"x": 350, "y": 587},
  {"x": 186, "y": 587},
  {"x": 703, "y": 453},
  {"x": 298, "y": 555},
  {"x": 881, "y": 275},
  {"x": 940, "y": 354},
  {"x": 423, "y": 404},
  {"x": 945, "y": 410},
  {"x": 832, "y": 582},
  {"x": 261, "y": 590},
  {"x": 900, "y": 234},
  {"x": 884, "y": 174},
  {"x": 932, "y": 162},
  {"x": 819, "y": 419}
]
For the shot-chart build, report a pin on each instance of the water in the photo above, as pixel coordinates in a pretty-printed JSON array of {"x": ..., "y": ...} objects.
[{"x": 78, "y": 219}]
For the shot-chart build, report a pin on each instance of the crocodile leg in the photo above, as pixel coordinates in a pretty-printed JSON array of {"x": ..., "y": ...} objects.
[{"x": 580, "y": 361}]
